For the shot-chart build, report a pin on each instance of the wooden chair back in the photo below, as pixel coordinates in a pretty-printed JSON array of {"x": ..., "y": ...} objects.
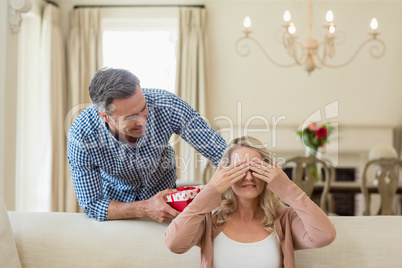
[
  {"x": 387, "y": 178},
  {"x": 303, "y": 177}
]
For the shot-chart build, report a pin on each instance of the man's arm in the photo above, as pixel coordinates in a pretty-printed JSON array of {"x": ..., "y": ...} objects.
[
  {"x": 155, "y": 208},
  {"x": 196, "y": 131},
  {"x": 88, "y": 186},
  {"x": 87, "y": 181}
]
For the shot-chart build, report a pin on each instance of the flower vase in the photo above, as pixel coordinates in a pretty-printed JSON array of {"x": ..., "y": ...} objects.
[{"x": 314, "y": 168}]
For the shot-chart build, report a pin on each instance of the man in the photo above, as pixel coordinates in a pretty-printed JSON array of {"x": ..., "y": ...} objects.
[{"x": 121, "y": 161}]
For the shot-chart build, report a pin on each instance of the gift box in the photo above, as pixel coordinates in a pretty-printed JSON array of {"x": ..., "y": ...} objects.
[{"x": 183, "y": 196}]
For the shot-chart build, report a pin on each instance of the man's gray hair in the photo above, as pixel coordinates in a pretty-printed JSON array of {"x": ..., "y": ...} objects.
[{"x": 108, "y": 84}]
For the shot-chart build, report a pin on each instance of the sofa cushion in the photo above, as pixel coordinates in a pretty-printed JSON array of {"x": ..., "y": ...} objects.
[{"x": 8, "y": 250}]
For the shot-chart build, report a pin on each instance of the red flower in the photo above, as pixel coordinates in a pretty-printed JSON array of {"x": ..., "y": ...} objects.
[{"x": 321, "y": 133}]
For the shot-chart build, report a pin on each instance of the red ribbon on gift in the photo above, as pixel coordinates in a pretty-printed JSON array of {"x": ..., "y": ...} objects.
[
  {"x": 184, "y": 188},
  {"x": 183, "y": 199}
]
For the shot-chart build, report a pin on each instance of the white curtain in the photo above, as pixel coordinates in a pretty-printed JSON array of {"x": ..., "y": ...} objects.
[
  {"x": 190, "y": 84},
  {"x": 41, "y": 149},
  {"x": 84, "y": 53},
  {"x": 84, "y": 56},
  {"x": 34, "y": 134},
  {"x": 53, "y": 73}
]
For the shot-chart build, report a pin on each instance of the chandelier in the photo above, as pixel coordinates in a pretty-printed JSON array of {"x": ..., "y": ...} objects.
[{"x": 311, "y": 54}]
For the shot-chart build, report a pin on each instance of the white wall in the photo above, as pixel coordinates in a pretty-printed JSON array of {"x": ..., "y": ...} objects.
[
  {"x": 3, "y": 23},
  {"x": 268, "y": 90},
  {"x": 369, "y": 90}
]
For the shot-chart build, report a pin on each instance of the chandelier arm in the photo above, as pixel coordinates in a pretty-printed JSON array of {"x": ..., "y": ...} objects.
[
  {"x": 372, "y": 50},
  {"x": 324, "y": 56},
  {"x": 244, "y": 50},
  {"x": 320, "y": 61},
  {"x": 290, "y": 44},
  {"x": 302, "y": 55},
  {"x": 328, "y": 51}
]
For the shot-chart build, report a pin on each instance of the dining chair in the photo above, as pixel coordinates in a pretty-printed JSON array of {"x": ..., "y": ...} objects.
[
  {"x": 387, "y": 172},
  {"x": 304, "y": 178}
]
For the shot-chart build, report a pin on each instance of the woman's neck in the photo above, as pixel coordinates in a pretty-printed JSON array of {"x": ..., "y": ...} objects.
[
  {"x": 245, "y": 223},
  {"x": 248, "y": 210}
]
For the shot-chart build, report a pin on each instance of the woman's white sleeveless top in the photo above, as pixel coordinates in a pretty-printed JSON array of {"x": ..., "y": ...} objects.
[{"x": 230, "y": 253}]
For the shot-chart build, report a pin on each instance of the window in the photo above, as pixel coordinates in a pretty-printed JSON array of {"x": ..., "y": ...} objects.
[{"x": 143, "y": 41}]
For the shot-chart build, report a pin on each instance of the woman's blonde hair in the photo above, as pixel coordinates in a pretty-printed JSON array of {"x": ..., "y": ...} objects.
[{"x": 269, "y": 202}]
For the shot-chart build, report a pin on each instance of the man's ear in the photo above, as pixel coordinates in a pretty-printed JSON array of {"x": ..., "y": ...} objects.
[{"x": 103, "y": 116}]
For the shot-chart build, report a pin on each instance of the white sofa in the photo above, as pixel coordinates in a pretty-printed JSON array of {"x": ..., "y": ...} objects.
[{"x": 73, "y": 240}]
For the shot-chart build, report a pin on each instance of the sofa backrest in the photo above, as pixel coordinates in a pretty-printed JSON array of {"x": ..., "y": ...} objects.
[
  {"x": 8, "y": 249},
  {"x": 361, "y": 242},
  {"x": 73, "y": 240},
  {"x": 49, "y": 240}
]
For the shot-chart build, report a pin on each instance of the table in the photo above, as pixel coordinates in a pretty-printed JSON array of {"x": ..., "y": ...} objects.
[{"x": 348, "y": 187}]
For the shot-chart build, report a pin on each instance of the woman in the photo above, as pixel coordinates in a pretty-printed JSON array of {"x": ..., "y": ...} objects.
[{"x": 238, "y": 219}]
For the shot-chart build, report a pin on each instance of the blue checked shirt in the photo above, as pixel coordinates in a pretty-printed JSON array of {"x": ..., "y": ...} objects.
[{"x": 105, "y": 169}]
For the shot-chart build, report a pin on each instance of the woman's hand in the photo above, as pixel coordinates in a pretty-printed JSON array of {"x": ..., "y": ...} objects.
[
  {"x": 264, "y": 171},
  {"x": 223, "y": 178}
]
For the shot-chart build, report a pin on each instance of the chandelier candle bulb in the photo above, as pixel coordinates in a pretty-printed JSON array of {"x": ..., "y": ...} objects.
[
  {"x": 374, "y": 25},
  {"x": 330, "y": 16},
  {"x": 331, "y": 28},
  {"x": 287, "y": 17},
  {"x": 247, "y": 25},
  {"x": 292, "y": 28}
]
